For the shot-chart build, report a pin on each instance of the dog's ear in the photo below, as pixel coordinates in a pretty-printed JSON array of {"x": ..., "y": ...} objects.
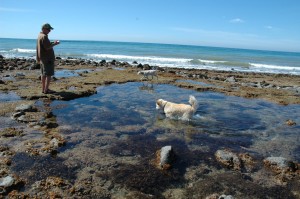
[{"x": 159, "y": 101}]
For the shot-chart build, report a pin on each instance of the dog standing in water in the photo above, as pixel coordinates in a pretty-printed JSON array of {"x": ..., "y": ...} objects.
[
  {"x": 178, "y": 111},
  {"x": 147, "y": 73}
]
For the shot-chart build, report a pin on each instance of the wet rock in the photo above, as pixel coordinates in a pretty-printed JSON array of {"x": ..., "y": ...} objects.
[
  {"x": 25, "y": 108},
  {"x": 290, "y": 122},
  {"x": 248, "y": 163},
  {"x": 17, "y": 194},
  {"x": 249, "y": 84},
  {"x": 30, "y": 117},
  {"x": 284, "y": 170},
  {"x": 147, "y": 67},
  {"x": 6, "y": 181},
  {"x": 54, "y": 142},
  {"x": 20, "y": 74},
  {"x": 228, "y": 159},
  {"x": 5, "y": 152},
  {"x": 139, "y": 66},
  {"x": 29, "y": 114},
  {"x": 51, "y": 187},
  {"x": 165, "y": 157},
  {"x": 11, "y": 132},
  {"x": 17, "y": 114},
  {"x": 47, "y": 145},
  {"x": 277, "y": 164}
]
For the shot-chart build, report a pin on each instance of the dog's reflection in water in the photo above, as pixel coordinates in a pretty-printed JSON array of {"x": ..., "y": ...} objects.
[{"x": 147, "y": 87}]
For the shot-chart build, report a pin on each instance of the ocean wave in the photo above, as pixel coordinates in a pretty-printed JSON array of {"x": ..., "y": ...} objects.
[
  {"x": 219, "y": 63},
  {"x": 199, "y": 63},
  {"x": 139, "y": 58},
  {"x": 210, "y": 61},
  {"x": 204, "y": 62},
  {"x": 238, "y": 64},
  {"x": 21, "y": 50},
  {"x": 267, "y": 66}
]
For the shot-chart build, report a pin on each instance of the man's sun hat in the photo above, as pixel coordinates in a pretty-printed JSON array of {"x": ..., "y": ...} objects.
[{"x": 47, "y": 26}]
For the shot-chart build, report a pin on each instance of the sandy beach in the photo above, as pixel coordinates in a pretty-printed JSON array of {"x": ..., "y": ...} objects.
[{"x": 70, "y": 174}]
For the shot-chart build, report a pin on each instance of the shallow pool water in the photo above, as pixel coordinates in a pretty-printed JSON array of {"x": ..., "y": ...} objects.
[
  {"x": 69, "y": 73},
  {"x": 9, "y": 96},
  {"x": 199, "y": 83},
  {"x": 239, "y": 122},
  {"x": 113, "y": 136}
]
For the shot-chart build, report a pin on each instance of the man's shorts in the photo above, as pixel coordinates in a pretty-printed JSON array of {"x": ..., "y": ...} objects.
[{"x": 47, "y": 69}]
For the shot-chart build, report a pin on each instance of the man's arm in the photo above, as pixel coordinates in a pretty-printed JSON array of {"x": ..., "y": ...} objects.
[{"x": 47, "y": 44}]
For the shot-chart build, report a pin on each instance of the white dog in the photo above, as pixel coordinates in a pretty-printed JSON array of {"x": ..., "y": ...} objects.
[
  {"x": 147, "y": 73},
  {"x": 178, "y": 111}
]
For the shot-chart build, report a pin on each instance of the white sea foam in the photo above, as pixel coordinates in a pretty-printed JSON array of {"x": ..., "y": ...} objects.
[
  {"x": 274, "y": 67},
  {"x": 211, "y": 61},
  {"x": 21, "y": 50},
  {"x": 139, "y": 58},
  {"x": 200, "y": 63}
]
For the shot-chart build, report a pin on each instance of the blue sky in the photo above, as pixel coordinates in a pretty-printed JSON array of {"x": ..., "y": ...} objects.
[{"x": 251, "y": 24}]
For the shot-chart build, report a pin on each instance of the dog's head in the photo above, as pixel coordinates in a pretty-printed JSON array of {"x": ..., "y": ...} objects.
[{"x": 160, "y": 104}]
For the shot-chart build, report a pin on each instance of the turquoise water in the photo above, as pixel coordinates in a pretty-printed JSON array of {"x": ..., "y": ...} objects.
[{"x": 166, "y": 55}]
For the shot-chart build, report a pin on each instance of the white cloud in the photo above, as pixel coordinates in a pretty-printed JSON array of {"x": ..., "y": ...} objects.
[
  {"x": 268, "y": 27},
  {"x": 236, "y": 20}
]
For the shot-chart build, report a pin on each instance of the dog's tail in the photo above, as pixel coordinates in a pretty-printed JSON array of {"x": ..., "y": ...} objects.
[{"x": 194, "y": 103}]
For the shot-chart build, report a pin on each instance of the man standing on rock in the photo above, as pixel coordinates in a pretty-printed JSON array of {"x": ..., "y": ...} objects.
[{"x": 45, "y": 57}]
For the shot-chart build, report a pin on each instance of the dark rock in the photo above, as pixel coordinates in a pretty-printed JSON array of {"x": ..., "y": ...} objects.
[
  {"x": 139, "y": 66},
  {"x": 147, "y": 67}
]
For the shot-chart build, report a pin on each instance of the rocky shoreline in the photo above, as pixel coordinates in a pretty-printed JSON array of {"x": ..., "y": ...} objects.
[
  {"x": 29, "y": 118},
  {"x": 279, "y": 88}
]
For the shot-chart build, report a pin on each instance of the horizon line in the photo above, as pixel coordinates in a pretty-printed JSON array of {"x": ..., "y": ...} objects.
[{"x": 196, "y": 45}]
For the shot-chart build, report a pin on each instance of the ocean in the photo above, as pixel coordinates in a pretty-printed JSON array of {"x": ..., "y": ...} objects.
[{"x": 165, "y": 55}]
